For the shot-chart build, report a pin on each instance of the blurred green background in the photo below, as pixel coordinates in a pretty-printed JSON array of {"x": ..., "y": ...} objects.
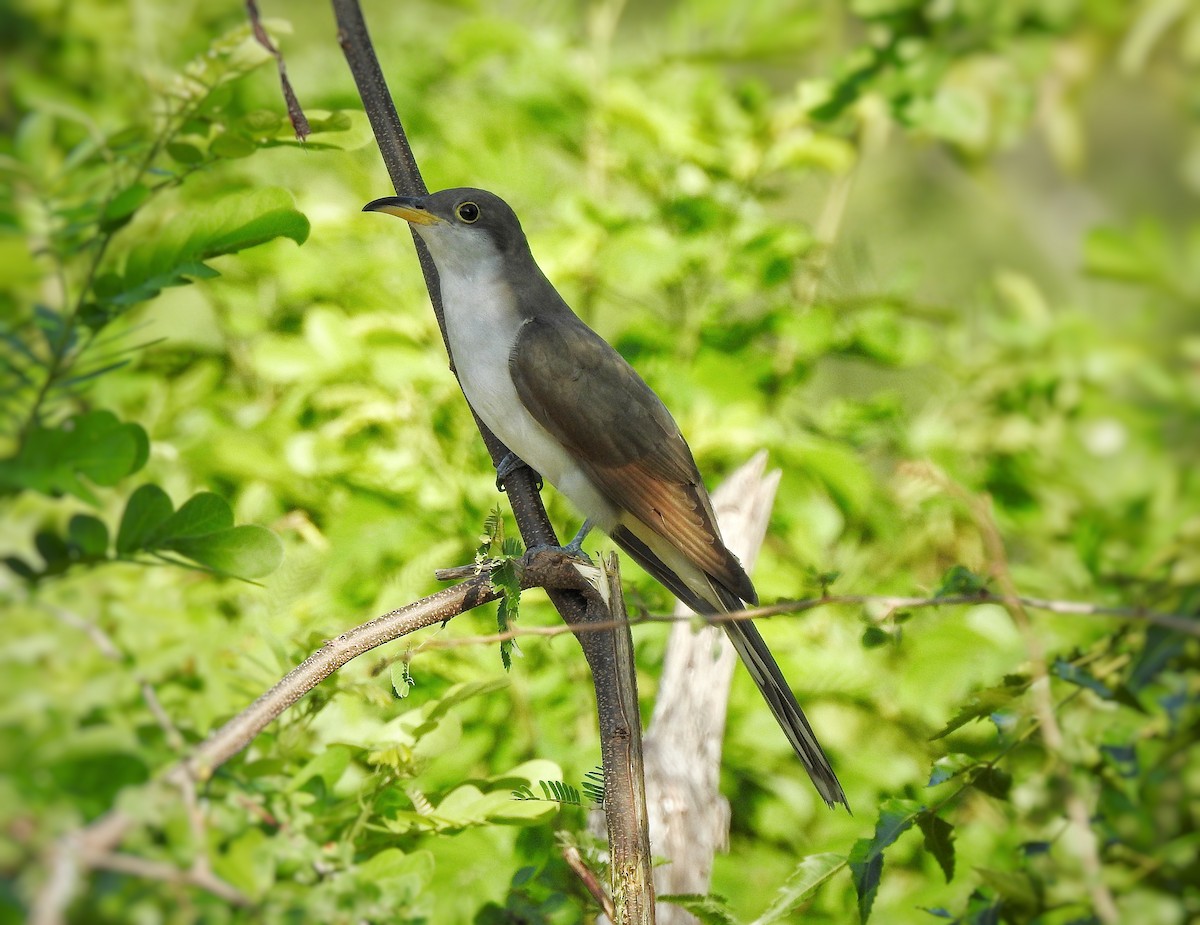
[{"x": 920, "y": 252}]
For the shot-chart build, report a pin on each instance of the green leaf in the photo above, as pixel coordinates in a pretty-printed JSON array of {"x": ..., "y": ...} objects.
[
  {"x": 402, "y": 679},
  {"x": 492, "y": 537},
  {"x": 116, "y": 291},
  {"x": 994, "y": 782},
  {"x": 262, "y": 122},
  {"x": 246, "y": 220},
  {"x": 436, "y": 738},
  {"x": 1161, "y": 647},
  {"x": 843, "y": 473},
  {"x": 959, "y": 581},
  {"x": 710, "y": 910},
  {"x": 248, "y": 863},
  {"x": 184, "y": 153},
  {"x": 96, "y": 446},
  {"x": 957, "y": 114},
  {"x": 531, "y": 772},
  {"x": 329, "y": 765},
  {"x": 232, "y": 145},
  {"x": 20, "y": 567},
  {"x": 201, "y": 514},
  {"x": 201, "y": 530},
  {"x": 866, "y": 867},
  {"x": 248, "y": 551},
  {"x": 1015, "y": 887},
  {"x": 1080, "y": 677},
  {"x": 53, "y": 550},
  {"x": 1123, "y": 758},
  {"x": 127, "y": 137},
  {"x": 939, "y": 840},
  {"x": 504, "y": 579},
  {"x": 866, "y": 857},
  {"x": 521, "y": 812},
  {"x": 147, "y": 509},
  {"x": 89, "y": 535},
  {"x": 338, "y": 131},
  {"x": 560, "y": 792},
  {"x": 57, "y": 334},
  {"x": 465, "y": 805},
  {"x": 875, "y": 636},
  {"x": 593, "y": 785},
  {"x": 986, "y": 702},
  {"x": 172, "y": 248},
  {"x": 400, "y": 876},
  {"x": 462, "y": 692},
  {"x": 983, "y": 910},
  {"x": 809, "y": 875},
  {"x": 336, "y": 121},
  {"x": 949, "y": 766},
  {"x": 121, "y": 207}
]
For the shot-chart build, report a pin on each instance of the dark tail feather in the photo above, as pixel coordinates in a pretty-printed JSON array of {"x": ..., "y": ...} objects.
[{"x": 757, "y": 658}]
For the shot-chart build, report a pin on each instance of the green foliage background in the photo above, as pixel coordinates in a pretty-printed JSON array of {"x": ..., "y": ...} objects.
[{"x": 922, "y": 252}]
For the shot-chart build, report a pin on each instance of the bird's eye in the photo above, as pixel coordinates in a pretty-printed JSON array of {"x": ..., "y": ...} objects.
[{"x": 468, "y": 212}]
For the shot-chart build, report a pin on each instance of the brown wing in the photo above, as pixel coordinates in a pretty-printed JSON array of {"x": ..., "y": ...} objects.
[{"x": 586, "y": 395}]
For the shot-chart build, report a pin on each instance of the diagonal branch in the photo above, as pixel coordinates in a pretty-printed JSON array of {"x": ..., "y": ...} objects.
[{"x": 94, "y": 846}]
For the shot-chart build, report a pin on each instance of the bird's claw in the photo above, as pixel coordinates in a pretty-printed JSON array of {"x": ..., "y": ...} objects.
[
  {"x": 510, "y": 464},
  {"x": 570, "y": 550}
]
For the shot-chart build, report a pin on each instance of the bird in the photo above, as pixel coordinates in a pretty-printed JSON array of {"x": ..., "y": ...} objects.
[{"x": 569, "y": 406}]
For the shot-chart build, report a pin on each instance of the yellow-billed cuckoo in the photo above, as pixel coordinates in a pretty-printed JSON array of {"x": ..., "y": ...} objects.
[{"x": 570, "y": 407}]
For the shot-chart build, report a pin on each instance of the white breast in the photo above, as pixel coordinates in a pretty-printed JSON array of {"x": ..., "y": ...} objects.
[{"x": 482, "y": 322}]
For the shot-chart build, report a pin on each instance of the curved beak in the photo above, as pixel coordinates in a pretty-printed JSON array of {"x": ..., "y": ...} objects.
[{"x": 410, "y": 208}]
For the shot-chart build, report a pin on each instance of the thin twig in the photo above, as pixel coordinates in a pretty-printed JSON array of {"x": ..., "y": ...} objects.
[
  {"x": 889, "y": 603},
  {"x": 1182, "y": 623},
  {"x": 295, "y": 113},
  {"x": 589, "y": 879},
  {"x": 110, "y": 650},
  {"x": 200, "y": 873},
  {"x": 168, "y": 873}
]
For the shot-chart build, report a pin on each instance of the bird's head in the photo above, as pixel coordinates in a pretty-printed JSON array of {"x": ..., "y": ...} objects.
[{"x": 462, "y": 227}]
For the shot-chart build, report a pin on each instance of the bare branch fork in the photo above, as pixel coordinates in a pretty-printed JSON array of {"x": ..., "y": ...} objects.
[{"x": 94, "y": 847}]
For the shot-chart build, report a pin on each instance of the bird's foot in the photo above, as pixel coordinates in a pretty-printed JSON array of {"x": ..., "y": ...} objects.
[
  {"x": 576, "y": 545},
  {"x": 570, "y": 550},
  {"x": 574, "y": 549},
  {"x": 510, "y": 464}
]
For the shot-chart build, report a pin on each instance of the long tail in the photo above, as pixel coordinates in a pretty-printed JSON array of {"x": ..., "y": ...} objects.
[{"x": 757, "y": 658}]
